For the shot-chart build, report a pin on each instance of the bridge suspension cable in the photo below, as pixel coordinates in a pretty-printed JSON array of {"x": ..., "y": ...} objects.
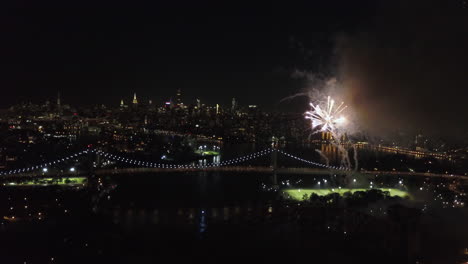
[
  {"x": 184, "y": 166},
  {"x": 313, "y": 163},
  {"x": 142, "y": 163},
  {"x": 44, "y": 165}
]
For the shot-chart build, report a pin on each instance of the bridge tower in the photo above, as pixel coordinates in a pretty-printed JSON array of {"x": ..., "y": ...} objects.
[
  {"x": 89, "y": 161},
  {"x": 274, "y": 165},
  {"x": 92, "y": 162}
]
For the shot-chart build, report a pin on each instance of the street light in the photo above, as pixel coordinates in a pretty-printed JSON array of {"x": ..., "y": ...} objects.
[{"x": 44, "y": 170}]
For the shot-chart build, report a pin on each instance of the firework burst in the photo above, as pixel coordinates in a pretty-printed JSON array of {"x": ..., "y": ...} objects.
[{"x": 326, "y": 117}]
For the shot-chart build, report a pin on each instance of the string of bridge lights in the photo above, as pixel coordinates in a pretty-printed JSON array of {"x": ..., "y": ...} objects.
[
  {"x": 44, "y": 166},
  {"x": 142, "y": 163},
  {"x": 184, "y": 166},
  {"x": 313, "y": 163}
]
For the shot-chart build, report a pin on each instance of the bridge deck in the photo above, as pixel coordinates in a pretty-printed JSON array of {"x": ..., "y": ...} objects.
[{"x": 255, "y": 169}]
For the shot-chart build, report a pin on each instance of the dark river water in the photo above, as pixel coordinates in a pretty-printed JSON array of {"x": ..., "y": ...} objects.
[
  {"x": 221, "y": 216},
  {"x": 208, "y": 189}
]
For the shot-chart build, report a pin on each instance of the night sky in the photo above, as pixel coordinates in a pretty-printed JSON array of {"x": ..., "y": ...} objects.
[
  {"x": 398, "y": 61},
  {"x": 99, "y": 54}
]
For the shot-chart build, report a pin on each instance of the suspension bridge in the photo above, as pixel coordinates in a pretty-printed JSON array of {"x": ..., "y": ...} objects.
[
  {"x": 239, "y": 164},
  {"x": 140, "y": 166}
]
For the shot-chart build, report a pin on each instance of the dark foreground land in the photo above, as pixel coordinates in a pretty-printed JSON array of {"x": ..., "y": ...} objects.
[{"x": 275, "y": 233}]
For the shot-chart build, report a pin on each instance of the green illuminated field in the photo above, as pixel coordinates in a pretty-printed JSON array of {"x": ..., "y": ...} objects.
[
  {"x": 298, "y": 194},
  {"x": 50, "y": 181},
  {"x": 207, "y": 152}
]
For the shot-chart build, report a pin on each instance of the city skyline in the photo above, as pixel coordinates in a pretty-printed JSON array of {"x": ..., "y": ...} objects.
[
  {"x": 134, "y": 99},
  {"x": 253, "y": 53}
]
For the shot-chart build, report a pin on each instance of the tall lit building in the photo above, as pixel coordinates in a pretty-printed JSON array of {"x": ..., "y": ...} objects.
[
  {"x": 59, "y": 104},
  {"x": 135, "y": 101},
  {"x": 58, "y": 100},
  {"x": 178, "y": 98},
  {"x": 234, "y": 105}
]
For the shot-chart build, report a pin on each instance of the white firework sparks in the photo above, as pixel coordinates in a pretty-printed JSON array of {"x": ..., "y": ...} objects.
[{"x": 326, "y": 118}]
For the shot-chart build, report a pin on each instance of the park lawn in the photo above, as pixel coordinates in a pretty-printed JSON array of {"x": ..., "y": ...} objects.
[
  {"x": 298, "y": 194},
  {"x": 50, "y": 181},
  {"x": 207, "y": 152}
]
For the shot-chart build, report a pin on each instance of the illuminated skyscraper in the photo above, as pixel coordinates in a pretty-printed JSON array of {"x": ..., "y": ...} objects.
[
  {"x": 234, "y": 105},
  {"x": 59, "y": 106},
  {"x": 58, "y": 100},
  {"x": 178, "y": 98},
  {"x": 135, "y": 101}
]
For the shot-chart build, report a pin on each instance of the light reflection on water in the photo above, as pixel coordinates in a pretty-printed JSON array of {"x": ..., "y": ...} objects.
[{"x": 196, "y": 217}]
